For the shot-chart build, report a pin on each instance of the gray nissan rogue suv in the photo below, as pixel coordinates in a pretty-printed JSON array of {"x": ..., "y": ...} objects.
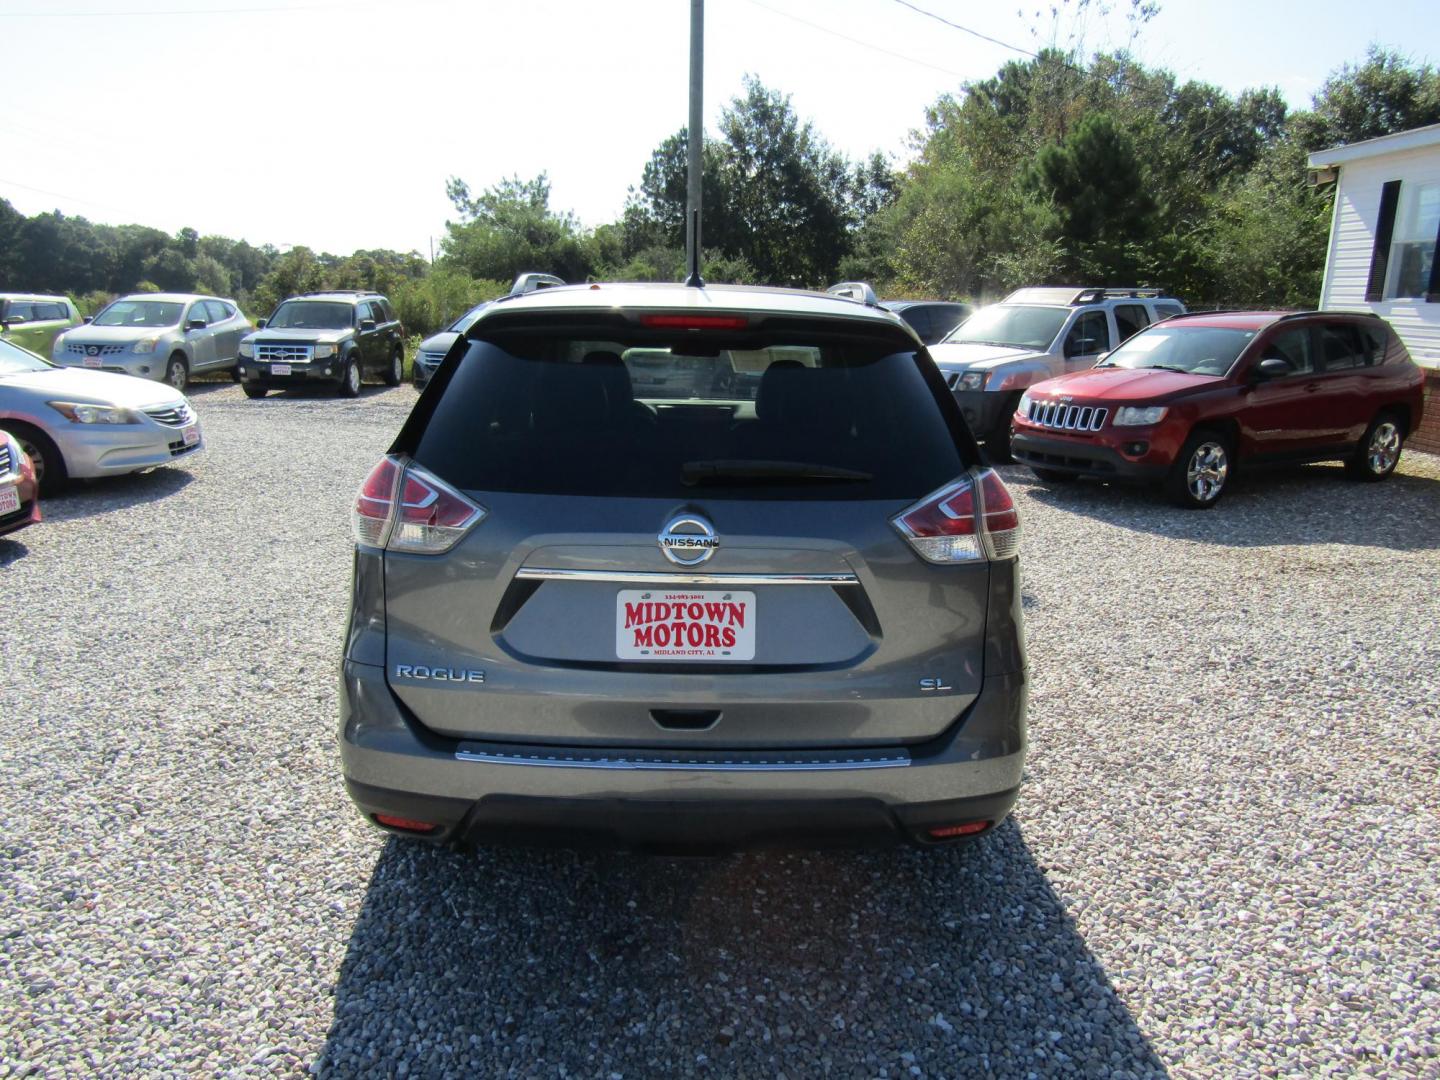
[{"x": 775, "y": 601}]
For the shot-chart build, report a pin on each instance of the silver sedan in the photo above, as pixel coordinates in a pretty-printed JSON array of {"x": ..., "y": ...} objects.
[
  {"x": 91, "y": 423},
  {"x": 163, "y": 336}
]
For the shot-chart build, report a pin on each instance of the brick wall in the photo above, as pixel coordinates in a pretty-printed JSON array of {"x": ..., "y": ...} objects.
[{"x": 1427, "y": 435}]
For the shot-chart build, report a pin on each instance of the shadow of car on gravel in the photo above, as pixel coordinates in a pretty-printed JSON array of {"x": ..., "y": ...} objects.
[
  {"x": 1305, "y": 504},
  {"x": 546, "y": 962},
  {"x": 11, "y": 551},
  {"x": 85, "y": 498}
]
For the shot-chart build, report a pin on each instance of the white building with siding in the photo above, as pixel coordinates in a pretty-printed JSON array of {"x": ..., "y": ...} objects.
[{"x": 1385, "y": 234}]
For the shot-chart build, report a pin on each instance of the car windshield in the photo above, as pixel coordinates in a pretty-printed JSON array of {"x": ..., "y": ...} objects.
[
  {"x": 310, "y": 315},
  {"x": 17, "y": 361},
  {"x": 799, "y": 415},
  {"x": 464, "y": 322},
  {"x": 1196, "y": 350},
  {"x": 140, "y": 313},
  {"x": 1020, "y": 326}
]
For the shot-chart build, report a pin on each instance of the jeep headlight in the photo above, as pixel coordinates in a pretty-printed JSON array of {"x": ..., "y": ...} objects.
[
  {"x": 81, "y": 413},
  {"x": 1138, "y": 415},
  {"x": 145, "y": 345},
  {"x": 972, "y": 380},
  {"x": 247, "y": 349},
  {"x": 324, "y": 350}
]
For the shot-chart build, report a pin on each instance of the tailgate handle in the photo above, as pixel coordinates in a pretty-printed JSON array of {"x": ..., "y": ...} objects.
[{"x": 685, "y": 719}]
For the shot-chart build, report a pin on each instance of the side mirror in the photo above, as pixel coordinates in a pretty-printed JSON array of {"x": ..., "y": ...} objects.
[
  {"x": 87, "y": 318},
  {"x": 1272, "y": 367},
  {"x": 366, "y": 325},
  {"x": 196, "y": 324},
  {"x": 260, "y": 324},
  {"x": 1101, "y": 358}
]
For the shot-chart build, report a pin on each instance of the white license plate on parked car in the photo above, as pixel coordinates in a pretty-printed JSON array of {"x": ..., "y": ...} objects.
[
  {"x": 191, "y": 435},
  {"x": 92, "y": 361},
  {"x": 279, "y": 369},
  {"x": 659, "y": 624},
  {"x": 9, "y": 499}
]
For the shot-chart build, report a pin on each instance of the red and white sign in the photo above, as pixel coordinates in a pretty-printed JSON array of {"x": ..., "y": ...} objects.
[
  {"x": 651, "y": 624},
  {"x": 9, "y": 499},
  {"x": 191, "y": 435}
]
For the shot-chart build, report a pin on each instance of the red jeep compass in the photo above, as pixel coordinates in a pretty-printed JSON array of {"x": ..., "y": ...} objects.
[{"x": 1185, "y": 401}]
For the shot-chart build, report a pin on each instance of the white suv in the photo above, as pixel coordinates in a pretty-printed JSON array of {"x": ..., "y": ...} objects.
[{"x": 1032, "y": 335}]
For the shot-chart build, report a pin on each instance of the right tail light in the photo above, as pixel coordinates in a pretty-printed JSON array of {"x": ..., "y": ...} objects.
[
  {"x": 971, "y": 520},
  {"x": 401, "y": 507}
]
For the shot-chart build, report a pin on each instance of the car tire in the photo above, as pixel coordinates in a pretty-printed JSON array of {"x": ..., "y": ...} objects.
[
  {"x": 395, "y": 373},
  {"x": 1378, "y": 451},
  {"x": 1054, "y": 476},
  {"x": 254, "y": 390},
  {"x": 50, "y": 472},
  {"x": 1202, "y": 470},
  {"x": 235, "y": 373},
  {"x": 177, "y": 372},
  {"x": 350, "y": 378}
]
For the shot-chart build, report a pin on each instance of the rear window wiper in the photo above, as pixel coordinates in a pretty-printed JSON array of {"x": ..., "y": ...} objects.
[{"x": 699, "y": 472}]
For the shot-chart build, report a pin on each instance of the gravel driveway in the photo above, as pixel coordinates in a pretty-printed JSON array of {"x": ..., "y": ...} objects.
[{"x": 1224, "y": 860}]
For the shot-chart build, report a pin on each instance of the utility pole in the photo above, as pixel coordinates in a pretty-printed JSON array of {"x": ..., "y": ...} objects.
[{"x": 696, "y": 142}]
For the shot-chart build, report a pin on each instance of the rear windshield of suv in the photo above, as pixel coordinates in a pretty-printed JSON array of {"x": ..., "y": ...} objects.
[{"x": 599, "y": 413}]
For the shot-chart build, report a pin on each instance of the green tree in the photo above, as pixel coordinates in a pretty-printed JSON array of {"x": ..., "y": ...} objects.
[
  {"x": 510, "y": 229},
  {"x": 1385, "y": 94}
]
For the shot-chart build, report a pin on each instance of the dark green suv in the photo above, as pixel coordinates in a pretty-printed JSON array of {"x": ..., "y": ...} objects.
[{"x": 337, "y": 338}]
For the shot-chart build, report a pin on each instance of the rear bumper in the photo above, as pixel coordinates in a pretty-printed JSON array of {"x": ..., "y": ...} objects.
[
  {"x": 1085, "y": 458},
  {"x": 392, "y": 766}
]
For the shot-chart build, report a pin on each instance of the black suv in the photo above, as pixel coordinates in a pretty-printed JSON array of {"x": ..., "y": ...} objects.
[{"x": 325, "y": 337}]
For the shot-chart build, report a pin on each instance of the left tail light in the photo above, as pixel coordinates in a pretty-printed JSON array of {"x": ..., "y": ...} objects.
[
  {"x": 971, "y": 520},
  {"x": 401, "y": 507}
]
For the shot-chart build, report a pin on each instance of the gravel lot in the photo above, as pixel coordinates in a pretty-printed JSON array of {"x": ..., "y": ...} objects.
[{"x": 1223, "y": 862}]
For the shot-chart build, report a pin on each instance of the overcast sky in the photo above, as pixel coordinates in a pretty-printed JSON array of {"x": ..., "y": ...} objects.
[{"x": 334, "y": 123}]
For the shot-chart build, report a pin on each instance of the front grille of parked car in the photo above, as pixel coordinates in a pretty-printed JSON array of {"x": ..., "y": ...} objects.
[
  {"x": 171, "y": 415},
  {"x": 178, "y": 447},
  {"x": 1062, "y": 417},
  {"x": 6, "y": 465},
  {"x": 430, "y": 359},
  {"x": 284, "y": 354},
  {"x": 75, "y": 349}
]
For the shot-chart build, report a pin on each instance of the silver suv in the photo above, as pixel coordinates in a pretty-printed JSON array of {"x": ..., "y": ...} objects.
[
  {"x": 736, "y": 611},
  {"x": 1033, "y": 335}
]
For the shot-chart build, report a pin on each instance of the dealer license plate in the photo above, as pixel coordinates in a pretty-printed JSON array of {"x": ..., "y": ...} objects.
[
  {"x": 9, "y": 499},
  {"x": 191, "y": 435},
  {"x": 660, "y": 624},
  {"x": 279, "y": 369}
]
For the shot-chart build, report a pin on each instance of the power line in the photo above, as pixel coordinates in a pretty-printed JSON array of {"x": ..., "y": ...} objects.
[
  {"x": 159, "y": 11},
  {"x": 856, "y": 41},
  {"x": 58, "y": 195},
  {"x": 966, "y": 29}
]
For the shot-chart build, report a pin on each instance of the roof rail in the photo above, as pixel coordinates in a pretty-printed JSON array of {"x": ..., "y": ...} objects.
[
  {"x": 532, "y": 282},
  {"x": 859, "y": 291},
  {"x": 1117, "y": 292}
]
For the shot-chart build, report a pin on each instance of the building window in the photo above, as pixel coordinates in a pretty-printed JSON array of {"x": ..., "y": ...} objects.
[{"x": 1412, "y": 247}]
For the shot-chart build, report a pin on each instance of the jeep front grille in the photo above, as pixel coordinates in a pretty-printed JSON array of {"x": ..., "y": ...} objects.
[
  {"x": 6, "y": 465},
  {"x": 430, "y": 359},
  {"x": 171, "y": 415},
  {"x": 284, "y": 354},
  {"x": 1062, "y": 417}
]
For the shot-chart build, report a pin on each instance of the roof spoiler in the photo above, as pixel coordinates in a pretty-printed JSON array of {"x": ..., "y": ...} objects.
[
  {"x": 528, "y": 283},
  {"x": 859, "y": 291}
]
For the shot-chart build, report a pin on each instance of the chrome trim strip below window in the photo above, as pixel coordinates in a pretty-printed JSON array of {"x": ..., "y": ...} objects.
[{"x": 645, "y": 577}]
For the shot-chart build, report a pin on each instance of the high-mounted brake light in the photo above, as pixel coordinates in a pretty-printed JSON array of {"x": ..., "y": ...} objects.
[
  {"x": 695, "y": 322},
  {"x": 401, "y": 507},
  {"x": 972, "y": 519}
]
